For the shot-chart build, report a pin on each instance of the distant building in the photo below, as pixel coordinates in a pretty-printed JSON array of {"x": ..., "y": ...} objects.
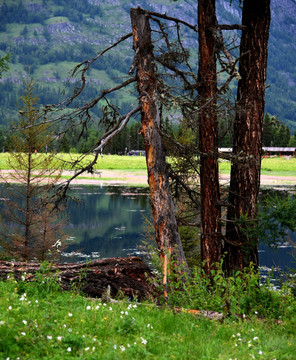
[
  {"x": 137, "y": 153},
  {"x": 269, "y": 151}
]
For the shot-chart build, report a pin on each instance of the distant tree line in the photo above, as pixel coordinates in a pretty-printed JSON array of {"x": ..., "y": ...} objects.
[{"x": 275, "y": 134}]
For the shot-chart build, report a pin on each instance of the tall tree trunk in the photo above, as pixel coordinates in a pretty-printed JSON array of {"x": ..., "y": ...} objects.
[
  {"x": 166, "y": 229},
  {"x": 241, "y": 248},
  {"x": 208, "y": 136}
]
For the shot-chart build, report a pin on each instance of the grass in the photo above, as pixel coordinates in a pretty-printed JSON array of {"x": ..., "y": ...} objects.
[
  {"x": 278, "y": 166},
  {"x": 38, "y": 321},
  {"x": 107, "y": 162}
]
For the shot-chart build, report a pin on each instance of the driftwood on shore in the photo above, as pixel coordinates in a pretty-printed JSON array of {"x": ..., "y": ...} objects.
[{"x": 129, "y": 276}]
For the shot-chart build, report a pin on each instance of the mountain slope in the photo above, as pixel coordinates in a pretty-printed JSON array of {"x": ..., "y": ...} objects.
[{"x": 52, "y": 36}]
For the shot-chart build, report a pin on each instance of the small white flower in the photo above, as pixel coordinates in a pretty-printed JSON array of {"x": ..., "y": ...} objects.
[
  {"x": 69, "y": 349},
  {"x": 135, "y": 306},
  {"x": 110, "y": 308},
  {"x": 126, "y": 313},
  {"x": 97, "y": 307},
  {"x": 23, "y": 333},
  {"x": 49, "y": 337},
  {"x": 59, "y": 338},
  {"x": 69, "y": 330},
  {"x": 23, "y": 278},
  {"x": 36, "y": 301},
  {"x": 2, "y": 322},
  {"x": 143, "y": 341},
  {"x": 86, "y": 349},
  {"x": 238, "y": 334},
  {"x": 255, "y": 338},
  {"x": 115, "y": 347},
  {"x": 94, "y": 339},
  {"x": 88, "y": 307},
  {"x": 9, "y": 307},
  {"x": 25, "y": 322},
  {"x": 260, "y": 352},
  {"x": 93, "y": 348},
  {"x": 122, "y": 348},
  {"x": 70, "y": 314}
]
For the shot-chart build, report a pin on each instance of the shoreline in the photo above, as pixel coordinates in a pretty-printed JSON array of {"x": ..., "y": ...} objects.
[{"x": 139, "y": 178}]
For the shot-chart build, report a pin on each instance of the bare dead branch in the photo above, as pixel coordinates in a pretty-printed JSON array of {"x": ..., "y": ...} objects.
[{"x": 116, "y": 129}]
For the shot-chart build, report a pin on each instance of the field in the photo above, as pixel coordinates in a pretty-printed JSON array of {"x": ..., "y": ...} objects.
[
  {"x": 38, "y": 321},
  {"x": 131, "y": 170},
  {"x": 285, "y": 166}
]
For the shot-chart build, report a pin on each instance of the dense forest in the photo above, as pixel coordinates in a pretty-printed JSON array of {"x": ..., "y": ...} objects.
[{"x": 51, "y": 37}]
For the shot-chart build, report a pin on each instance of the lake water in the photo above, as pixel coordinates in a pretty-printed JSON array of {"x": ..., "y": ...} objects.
[{"x": 109, "y": 222}]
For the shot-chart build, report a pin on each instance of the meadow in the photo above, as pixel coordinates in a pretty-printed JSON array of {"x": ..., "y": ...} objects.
[
  {"x": 40, "y": 321},
  {"x": 281, "y": 165}
]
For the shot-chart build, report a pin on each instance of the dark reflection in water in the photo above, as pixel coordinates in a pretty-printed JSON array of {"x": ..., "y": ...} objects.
[{"x": 108, "y": 221}]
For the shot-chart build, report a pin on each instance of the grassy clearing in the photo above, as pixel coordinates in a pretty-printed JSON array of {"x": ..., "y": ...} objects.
[
  {"x": 106, "y": 162},
  {"x": 38, "y": 321},
  {"x": 280, "y": 166}
]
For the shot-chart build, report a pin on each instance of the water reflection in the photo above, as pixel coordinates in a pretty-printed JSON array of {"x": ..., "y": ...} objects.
[{"x": 108, "y": 221}]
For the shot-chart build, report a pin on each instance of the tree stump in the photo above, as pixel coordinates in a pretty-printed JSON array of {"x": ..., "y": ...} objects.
[{"x": 130, "y": 276}]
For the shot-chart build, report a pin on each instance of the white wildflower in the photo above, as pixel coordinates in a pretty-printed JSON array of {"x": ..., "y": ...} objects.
[{"x": 69, "y": 349}]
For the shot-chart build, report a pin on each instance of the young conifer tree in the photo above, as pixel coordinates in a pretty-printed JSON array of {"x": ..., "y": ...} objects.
[{"x": 31, "y": 228}]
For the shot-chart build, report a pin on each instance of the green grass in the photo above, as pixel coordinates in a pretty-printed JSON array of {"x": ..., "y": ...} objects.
[
  {"x": 37, "y": 321},
  {"x": 271, "y": 166},
  {"x": 280, "y": 166},
  {"x": 107, "y": 162}
]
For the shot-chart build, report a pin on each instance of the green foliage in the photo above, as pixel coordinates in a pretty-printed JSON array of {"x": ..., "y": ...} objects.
[
  {"x": 4, "y": 64},
  {"x": 235, "y": 295},
  {"x": 66, "y": 325},
  {"x": 276, "y": 217}
]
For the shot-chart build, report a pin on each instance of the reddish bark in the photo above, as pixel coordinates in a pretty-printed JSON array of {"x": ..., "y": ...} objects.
[
  {"x": 241, "y": 249},
  {"x": 166, "y": 229},
  {"x": 208, "y": 136}
]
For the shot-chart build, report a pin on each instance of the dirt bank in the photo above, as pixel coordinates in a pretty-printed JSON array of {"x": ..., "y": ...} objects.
[{"x": 139, "y": 178}]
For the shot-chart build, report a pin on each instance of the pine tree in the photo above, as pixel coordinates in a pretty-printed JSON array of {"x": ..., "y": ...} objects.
[{"x": 30, "y": 224}]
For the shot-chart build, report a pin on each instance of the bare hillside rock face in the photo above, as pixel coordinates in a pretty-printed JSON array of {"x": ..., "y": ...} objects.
[{"x": 129, "y": 276}]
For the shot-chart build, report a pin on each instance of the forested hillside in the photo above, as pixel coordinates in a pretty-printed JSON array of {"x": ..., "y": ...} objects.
[{"x": 52, "y": 36}]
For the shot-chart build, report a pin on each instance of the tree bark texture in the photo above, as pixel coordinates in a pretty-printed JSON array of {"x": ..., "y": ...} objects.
[
  {"x": 128, "y": 275},
  {"x": 165, "y": 224},
  {"x": 240, "y": 248},
  {"x": 208, "y": 136}
]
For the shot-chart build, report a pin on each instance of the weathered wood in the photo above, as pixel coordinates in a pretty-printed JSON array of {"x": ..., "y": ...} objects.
[
  {"x": 131, "y": 276},
  {"x": 165, "y": 224}
]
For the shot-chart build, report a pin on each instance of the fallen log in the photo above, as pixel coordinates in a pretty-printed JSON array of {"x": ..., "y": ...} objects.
[{"x": 130, "y": 276}]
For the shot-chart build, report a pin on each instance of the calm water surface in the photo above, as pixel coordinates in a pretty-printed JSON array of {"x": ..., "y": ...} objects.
[{"x": 109, "y": 222}]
